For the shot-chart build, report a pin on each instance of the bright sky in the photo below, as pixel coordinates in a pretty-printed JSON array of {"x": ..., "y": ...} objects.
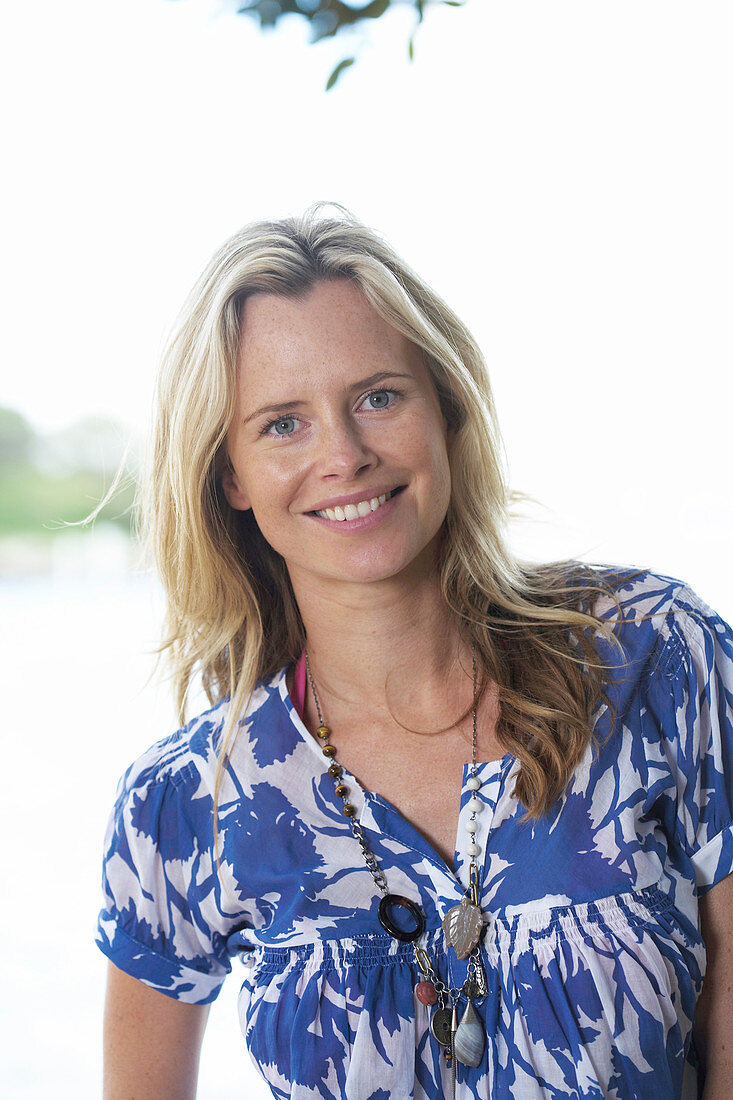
[{"x": 560, "y": 172}]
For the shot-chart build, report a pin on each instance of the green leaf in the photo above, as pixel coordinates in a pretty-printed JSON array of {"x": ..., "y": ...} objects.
[
  {"x": 411, "y": 50},
  {"x": 338, "y": 70},
  {"x": 375, "y": 10}
]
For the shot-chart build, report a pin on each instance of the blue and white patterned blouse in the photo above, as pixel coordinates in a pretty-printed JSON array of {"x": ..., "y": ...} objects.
[{"x": 592, "y": 953}]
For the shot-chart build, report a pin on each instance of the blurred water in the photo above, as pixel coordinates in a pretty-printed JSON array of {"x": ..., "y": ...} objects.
[{"x": 75, "y": 654}]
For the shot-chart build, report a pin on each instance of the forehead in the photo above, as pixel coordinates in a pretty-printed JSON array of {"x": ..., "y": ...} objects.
[{"x": 331, "y": 330}]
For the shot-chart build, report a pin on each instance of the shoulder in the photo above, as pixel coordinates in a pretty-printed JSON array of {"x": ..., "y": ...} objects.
[
  {"x": 639, "y": 593},
  {"x": 180, "y": 758},
  {"x": 188, "y": 759},
  {"x": 654, "y": 615}
]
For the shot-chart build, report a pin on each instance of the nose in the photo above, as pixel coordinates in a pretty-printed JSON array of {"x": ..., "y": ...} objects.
[{"x": 343, "y": 450}]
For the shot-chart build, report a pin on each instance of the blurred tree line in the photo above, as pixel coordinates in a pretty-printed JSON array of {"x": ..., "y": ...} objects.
[{"x": 48, "y": 480}]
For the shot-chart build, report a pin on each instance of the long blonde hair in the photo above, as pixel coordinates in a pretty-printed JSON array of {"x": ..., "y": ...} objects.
[{"x": 231, "y": 615}]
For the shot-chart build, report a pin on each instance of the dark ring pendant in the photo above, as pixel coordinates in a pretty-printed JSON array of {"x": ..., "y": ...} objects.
[{"x": 386, "y": 904}]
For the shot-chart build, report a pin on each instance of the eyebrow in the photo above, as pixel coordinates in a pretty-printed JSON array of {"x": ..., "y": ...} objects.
[{"x": 285, "y": 406}]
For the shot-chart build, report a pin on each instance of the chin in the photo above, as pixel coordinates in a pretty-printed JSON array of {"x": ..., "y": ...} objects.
[
  {"x": 393, "y": 558},
  {"x": 375, "y": 567}
]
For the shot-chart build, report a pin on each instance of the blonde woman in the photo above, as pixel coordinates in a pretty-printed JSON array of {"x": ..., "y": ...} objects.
[{"x": 466, "y": 820}]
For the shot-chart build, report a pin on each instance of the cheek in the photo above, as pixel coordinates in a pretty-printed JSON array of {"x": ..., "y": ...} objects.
[
  {"x": 272, "y": 492},
  {"x": 445, "y": 487},
  {"x": 440, "y": 462}
]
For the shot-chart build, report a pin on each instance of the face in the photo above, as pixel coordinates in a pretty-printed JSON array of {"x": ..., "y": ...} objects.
[{"x": 338, "y": 444}]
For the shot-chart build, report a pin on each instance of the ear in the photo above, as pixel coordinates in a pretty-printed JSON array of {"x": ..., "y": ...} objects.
[{"x": 233, "y": 491}]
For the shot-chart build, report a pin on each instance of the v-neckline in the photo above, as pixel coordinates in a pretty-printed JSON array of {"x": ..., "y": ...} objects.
[{"x": 490, "y": 772}]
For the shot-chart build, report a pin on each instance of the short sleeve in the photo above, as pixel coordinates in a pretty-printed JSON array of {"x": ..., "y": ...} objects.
[
  {"x": 159, "y": 880},
  {"x": 698, "y": 674}
]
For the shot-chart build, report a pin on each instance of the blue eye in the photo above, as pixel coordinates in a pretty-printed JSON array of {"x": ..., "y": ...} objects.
[
  {"x": 284, "y": 425},
  {"x": 383, "y": 396},
  {"x": 281, "y": 426}
]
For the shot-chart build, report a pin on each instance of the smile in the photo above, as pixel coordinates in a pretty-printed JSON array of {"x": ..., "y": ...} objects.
[{"x": 355, "y": 511}]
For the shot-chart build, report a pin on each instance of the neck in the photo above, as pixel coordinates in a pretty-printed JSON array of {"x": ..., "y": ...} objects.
[{"x": 387, "y": 650}]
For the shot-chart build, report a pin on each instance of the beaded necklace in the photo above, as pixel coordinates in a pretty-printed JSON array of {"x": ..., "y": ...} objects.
[{"x": 462, "y": 925}]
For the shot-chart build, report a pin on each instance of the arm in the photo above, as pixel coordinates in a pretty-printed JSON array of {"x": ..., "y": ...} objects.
[
  {"x": 152, "y": 1042},
  {"x": 712, "y": 1025}
]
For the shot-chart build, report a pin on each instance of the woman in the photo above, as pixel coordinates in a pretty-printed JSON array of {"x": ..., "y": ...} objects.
[{"x": 328, "y": 510}]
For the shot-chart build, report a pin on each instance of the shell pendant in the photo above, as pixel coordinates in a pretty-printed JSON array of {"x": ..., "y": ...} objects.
[
  {"x": 462, "y": 926},
  {"x": 469, "y": 1039}
]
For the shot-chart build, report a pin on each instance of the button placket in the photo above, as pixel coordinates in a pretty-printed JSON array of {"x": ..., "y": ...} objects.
[{"x": 490, "y": 776}]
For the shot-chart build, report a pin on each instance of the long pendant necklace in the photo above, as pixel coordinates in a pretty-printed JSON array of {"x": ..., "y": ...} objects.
[{"x": 462, "y": 925}]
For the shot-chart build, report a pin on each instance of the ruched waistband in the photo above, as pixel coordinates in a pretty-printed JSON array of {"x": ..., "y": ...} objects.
[{"x": 522, "y": 929}]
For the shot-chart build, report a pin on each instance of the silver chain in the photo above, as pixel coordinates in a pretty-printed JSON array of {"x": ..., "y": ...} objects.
[{"x": 473, "y": 738}]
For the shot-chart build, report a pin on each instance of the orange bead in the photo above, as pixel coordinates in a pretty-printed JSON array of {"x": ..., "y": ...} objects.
[
  {"x": 334, "y": 771},
  {"x": 323, "y": 732},
  {"x": 328, "y": 750},
  {"x": 342, "y": 790},
  {"x": 348, "y": 809}
]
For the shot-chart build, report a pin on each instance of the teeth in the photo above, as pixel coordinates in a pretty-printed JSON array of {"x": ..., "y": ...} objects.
[{"x": 354, "y": 511}]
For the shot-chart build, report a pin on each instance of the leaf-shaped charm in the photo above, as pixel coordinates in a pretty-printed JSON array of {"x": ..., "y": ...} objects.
[{"x": 462, "y": 926}]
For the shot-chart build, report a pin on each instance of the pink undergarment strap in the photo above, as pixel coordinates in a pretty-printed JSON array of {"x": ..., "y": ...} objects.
[{"x": 299, "y": 686}]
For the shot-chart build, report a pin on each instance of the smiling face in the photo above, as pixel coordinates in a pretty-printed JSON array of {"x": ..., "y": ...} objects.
[{"x": 338, "y": 444}]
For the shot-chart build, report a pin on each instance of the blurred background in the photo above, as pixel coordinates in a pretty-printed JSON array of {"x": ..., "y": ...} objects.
[{"x": 560, "y": 172}]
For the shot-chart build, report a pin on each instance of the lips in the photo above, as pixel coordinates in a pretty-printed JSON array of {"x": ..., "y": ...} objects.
[
  {"x": 354, "y": 511},
  {"x": 354, "y": 501},
  {"x": 357, "y": 509}
]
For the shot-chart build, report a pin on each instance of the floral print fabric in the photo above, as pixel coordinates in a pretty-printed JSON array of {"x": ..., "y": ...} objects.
[{"x": 592, "y": 953}]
